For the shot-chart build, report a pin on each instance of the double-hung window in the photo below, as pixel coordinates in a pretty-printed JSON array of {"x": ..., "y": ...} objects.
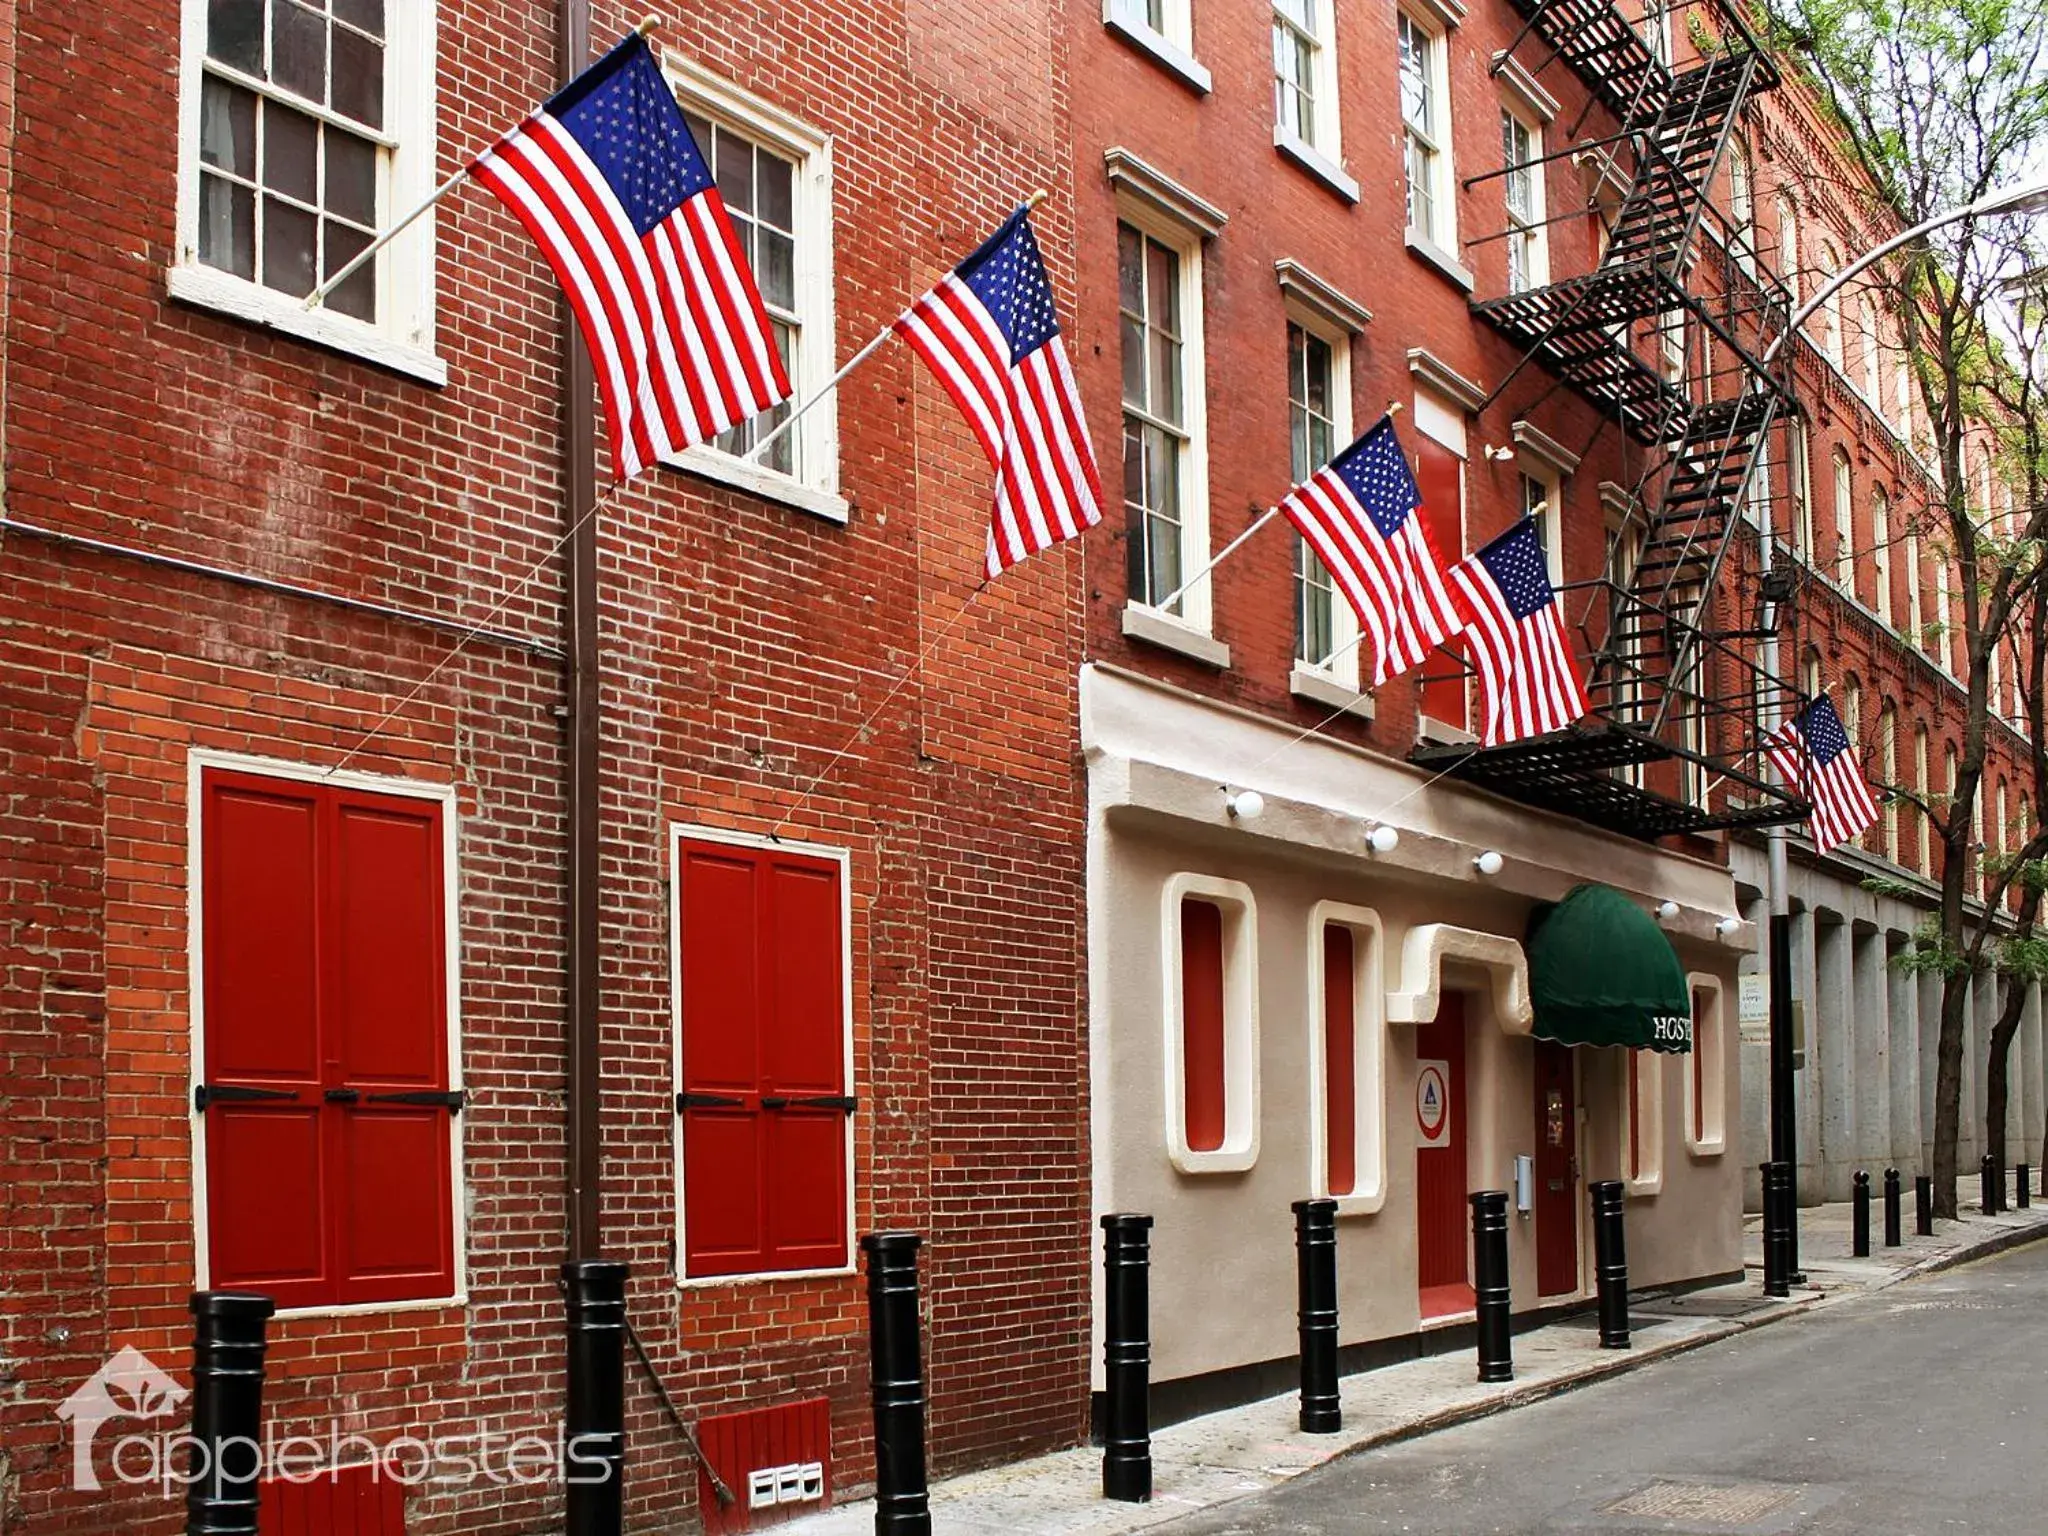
[
  {"x": 764, "y": 1099},
  {"x": 1425, "y": 132},
  {"x": 306, "y": 125},
  {"x": 1302, "y": 105},
  {"x": 1319, "y": 424},
  {"x": 1881, "y": 550},
  {"x": 1788, "y": 247},
  {"x": 774, "y": 173},
  {"x": 1742, "y": 206},
  {"x": 325, "y": 1109},
  {"x": 1542, "y": 503},
  {"x": 1866, "y": 319},
  {"x": 1164, "y": 519},
  {"x": 1521, "y": 150},
  {"x": 1845, "y": 524}
]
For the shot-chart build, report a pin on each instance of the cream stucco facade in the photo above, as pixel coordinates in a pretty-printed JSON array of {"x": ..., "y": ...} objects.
[{"x": 1162, "y": 767}]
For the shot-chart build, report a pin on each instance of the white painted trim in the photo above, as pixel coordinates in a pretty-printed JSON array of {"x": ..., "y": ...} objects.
[
  {"x": 1649, "y": 1069},
  {"x": 1515, "y": 75},
  {"x": 1172, "y": 46},
  {"x": 680, "y": 832},
  {"x": 1538, "y": 228},
  {"x": 1715, "y": 1121},
  {"x": 1369, "y": 1058},
  {"x": 1323, "y": 155},
  {"x": 1540, "y": 445},
  {"x": 403, "y": 340},
  {"x": 1441, "y": 261},
  {"x": 1316, "y": 163},
  {"x": 197, "y": 762},
  {"x": 816, "y": 489},
  {"x": 1171, "y": 634},
  {"x": 1143, "y": 189},
  {"x": 1423, "y": 953},
  {"x": 1340, "y": 671},
  {"x": 1240, "y": 1149},
  {"x": 1432, "y": 373},
  {"x": 1319, "y": 687},
  {"x": 1316, "y": 296}
]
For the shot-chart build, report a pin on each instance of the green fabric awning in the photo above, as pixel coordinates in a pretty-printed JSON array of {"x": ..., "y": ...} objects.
[{"x": 1601, "y": 972}]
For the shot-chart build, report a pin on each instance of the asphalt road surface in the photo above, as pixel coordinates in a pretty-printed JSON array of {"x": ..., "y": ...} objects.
[{"x": 1922, "y": 1409}]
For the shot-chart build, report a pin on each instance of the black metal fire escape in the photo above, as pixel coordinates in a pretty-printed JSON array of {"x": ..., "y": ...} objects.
[{"x": 1670, "y": 670}]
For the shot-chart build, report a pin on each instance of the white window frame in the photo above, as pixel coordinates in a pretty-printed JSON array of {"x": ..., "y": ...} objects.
[
  {"x": 403, "y": 341},
  {"x": 1831, "y": 308},
  {"x": 1888, "y": 747},
  {"x": 815, "y": 489},
  {"x": 1944, "y": 650},
  {"x": 1368, "y": 1058},
  {"x": 1341, "y": 667},
  {"x": 1881, "y": 549},
  {"x": 1845, "y": 522},
  {"x": 1551, "y": 525},
  {"x": 1788, "y": 247},
  {"x": 679, "y": 833},
  {"x": 1924, "y": 851},
  {"x": 1528, "y": 227},
  {"x": 198, "y": 762},
  {"x": 1240, "y": 1149},
  {"x": 1441, "y": 235},
  {"x": 1799, "y": 446},
  {"x": 1170, "y": 43},
  {"x": 1916, "y": 618},
  {"x": 1709, "y": 1036},
  {"x": 1197, "y": 606},
  {"x": 1647, "y": 1178},
  {"x": 1873, "y": 369},
  {"x": 1742, "y": 205}
]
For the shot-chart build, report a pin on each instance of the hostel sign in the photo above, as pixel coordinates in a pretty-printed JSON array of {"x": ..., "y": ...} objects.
[{"x": 1433, "y": 1103}]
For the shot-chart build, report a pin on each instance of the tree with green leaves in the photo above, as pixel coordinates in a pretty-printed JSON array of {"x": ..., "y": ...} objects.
[{"x": 1935, "y": 104}]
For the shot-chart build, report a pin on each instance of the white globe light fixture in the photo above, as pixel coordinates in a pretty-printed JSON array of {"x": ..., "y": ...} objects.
[
  {"x": 1488, "y": 863},
  {"x": 1246, "y": 805},
  {"x": 1382, "y": 839}
]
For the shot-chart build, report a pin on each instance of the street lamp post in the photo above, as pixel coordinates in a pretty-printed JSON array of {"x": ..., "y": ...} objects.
[{"x": 1784, "y": 1125}]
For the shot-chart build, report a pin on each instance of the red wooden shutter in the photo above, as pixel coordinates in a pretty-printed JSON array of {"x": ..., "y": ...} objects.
[
  {"x": 1440, "y": 476},
  {"x": 765, "y": 1093},
  {"x": 1340, "y": 1061},
  {"x": 266, "y": 1165},
  {"x": 720, "y": 966},
  {"x": 803, "y": 1057},
  {"x": 394, "y": 1214},
  {"x": 1203, "y": 1111}
]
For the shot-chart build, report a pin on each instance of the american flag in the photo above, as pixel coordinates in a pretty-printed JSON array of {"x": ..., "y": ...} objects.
[
  {"x": 1811, "y": 752},
  {"x": 608, "y": 180},
  {"x": 990, "y": 333},
  {"x": 1358, "y": 514},
  {"x": 1513, "y": 629}
]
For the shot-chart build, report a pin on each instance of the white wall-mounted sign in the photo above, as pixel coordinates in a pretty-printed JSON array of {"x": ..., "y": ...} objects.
[{"x": 1432, "y": 1103}]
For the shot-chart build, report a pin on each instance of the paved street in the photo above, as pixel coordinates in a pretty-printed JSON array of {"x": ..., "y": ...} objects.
[{"x": 1917, "y": 1410}]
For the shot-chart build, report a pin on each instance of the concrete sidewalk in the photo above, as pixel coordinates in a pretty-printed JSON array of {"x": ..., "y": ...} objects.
[{"x": 1239, "y": 1451}]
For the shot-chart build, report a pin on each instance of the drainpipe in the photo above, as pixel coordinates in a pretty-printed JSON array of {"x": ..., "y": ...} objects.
[{"x": 579, "y": 491}]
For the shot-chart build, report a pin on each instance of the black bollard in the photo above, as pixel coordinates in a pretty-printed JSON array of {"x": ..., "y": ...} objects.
[
  {"x": 1490, "y": 1283},
  {"x": 1892, "y": 1239},
  {"x": 896, "y": 1384},
  {"x": 1777, "y": 1234},
  {"x": 1610, "y": 1263},
  {"x": 1315, "y": 1260},
  {"x": 1127, "y": 1359},
  {"x": 1923, "y": 1204},
  {"x": 225, "y": 1462},
  {"x": 1859, "y": 1215},
  {"x": 2022, "y": 1196},
  {"x": 1987, "y": 1184},
  {"x": 594, "y": 1420}
]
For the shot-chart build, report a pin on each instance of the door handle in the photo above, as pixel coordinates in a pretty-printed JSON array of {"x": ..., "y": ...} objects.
[
  {"x": 231, "y": 1093},
  {"x": 1557, "y": 1185}
]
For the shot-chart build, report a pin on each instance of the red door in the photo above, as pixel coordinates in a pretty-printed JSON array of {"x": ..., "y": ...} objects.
[
  {"x": 1440, "y": 476},
  {"x": 1442, "y": 1214},
  {"x": 1557, "y": 1172},
  {"x": 346, "y": 1501}
]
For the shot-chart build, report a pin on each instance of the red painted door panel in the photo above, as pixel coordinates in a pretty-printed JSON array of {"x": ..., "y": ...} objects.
[
  {"x": 1440, "y": 476},
  {"x": 763, "y": 997},
  {"x": 1204, "y": 1111},
  {"x": 324, "y": 977},
  {"x": 1442, "y": 1190},
  {"x": 350, "y": 1501},
  {"x": 1557, "y": 1193},
  {"x": 1340, "y": 1061},
  {"x": 793, "y": 1439}
]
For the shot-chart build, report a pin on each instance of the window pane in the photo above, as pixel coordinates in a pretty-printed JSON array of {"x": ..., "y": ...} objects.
[
  {"x": 774, "y": 179},
  {"x": 700, "y": 130},
  {"x": 1162, "y": 287},
  {"x": 351, "y": 177},
  {"x": 1165, "y": 391},
  {"x": 1317, "y": 398},
  {"x": 1134, "y": 362},
  {"x": 298, "y": 50},
  {"x": 358, "y": 77},
  {"x": 736, "y": 174},
  {"x": 1130, "y": 269},
  {"x": 367, "y": 14},
  {"x": 775, "y": 268},
  {"x": 227, "y": 226},
  {"x": 227, "y": 128},
  {"x": 288, "y": 236},
  {"x": 234, "y": 34},
  {"x": 291, "y": 152},
  {"x": 357, "y": 296}
]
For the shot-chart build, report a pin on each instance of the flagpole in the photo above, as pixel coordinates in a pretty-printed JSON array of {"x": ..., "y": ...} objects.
[
  {"x": 753, "y": 455},
  {"x": 318, "y": 296},
  {"x": 1230, "y": 549}
]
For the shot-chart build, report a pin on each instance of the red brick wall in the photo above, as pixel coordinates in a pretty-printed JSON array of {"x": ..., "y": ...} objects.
[{"x": 743, "y": 641}]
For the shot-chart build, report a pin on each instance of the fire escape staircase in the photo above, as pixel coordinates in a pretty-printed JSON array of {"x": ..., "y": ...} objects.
[{"x": 1668, "y": 676}]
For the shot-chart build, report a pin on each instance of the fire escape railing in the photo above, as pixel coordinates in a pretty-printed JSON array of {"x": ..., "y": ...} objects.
[{"x": 1669, "y": 671}]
